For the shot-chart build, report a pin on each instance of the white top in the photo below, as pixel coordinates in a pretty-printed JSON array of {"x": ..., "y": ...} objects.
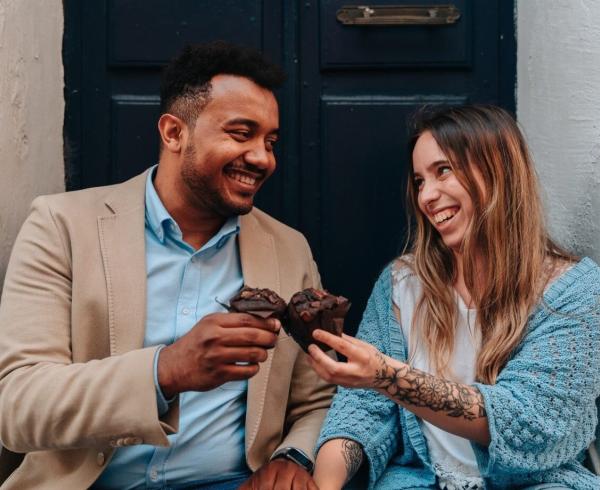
[{"x": 452, "y": 456}]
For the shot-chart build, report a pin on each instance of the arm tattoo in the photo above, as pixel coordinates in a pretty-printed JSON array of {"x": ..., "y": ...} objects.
[
  {"x": 353, "y": 456},
  {"x": 421, "y": 389}
]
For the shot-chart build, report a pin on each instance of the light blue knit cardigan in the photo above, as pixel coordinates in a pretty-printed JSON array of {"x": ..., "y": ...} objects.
[{"x": 542, "y": 410}]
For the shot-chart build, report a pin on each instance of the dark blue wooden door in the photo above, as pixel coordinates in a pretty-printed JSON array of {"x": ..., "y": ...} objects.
[{"x": 342, "y": 159}]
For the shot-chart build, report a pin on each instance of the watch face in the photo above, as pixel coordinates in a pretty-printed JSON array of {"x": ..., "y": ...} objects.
[{"x": 298, "y": 457}]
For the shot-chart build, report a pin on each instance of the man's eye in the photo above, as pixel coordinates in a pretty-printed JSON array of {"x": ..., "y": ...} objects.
[
  {"x": 269, "y": 144},
  {"x": 240, "y": 135}
]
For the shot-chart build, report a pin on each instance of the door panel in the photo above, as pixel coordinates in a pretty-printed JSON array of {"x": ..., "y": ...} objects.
[
  {"x": 133, "y": 120},
  {"x": 148, "y": 32},
  {"x": 364, "y": 46}
]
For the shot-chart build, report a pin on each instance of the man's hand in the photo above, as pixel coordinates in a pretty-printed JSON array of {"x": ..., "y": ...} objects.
[
  {"x": 280, "y": 474},
  {"x": 206, "y": 356}
]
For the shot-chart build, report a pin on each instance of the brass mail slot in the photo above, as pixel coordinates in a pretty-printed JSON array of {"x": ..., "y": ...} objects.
[{"x": 386, "y": 15}]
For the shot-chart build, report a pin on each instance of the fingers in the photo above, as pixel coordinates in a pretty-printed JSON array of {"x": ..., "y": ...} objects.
[
  {"x": 341, "y": 345},
  {"x": 245, "y": 337},
  {"x": 252, "y": 355},
  {"x": 236, "y": 372},
  {"x": 233, "y": 320},
  {"x": 353, "y": 340},
  {"x": 325, "y": 367}
]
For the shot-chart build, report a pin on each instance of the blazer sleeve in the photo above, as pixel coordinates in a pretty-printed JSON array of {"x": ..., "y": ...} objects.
[
  {"x": 47, "y": 401},
  {"x": 542, "y": 410},
  {"x": 366, "y": 416}
]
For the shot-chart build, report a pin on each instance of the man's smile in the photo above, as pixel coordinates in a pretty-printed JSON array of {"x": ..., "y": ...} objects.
[{"x": 243, "y": 174}]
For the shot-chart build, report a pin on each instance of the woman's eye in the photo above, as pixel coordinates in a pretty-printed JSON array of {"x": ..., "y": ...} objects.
[
  {"x": 418, "y": 183},
  {"x": 444, "y": 169}
]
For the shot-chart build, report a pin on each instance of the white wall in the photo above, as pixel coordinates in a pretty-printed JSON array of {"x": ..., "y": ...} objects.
[
  {"x": 31, "y": 110},
  {"x": 558, "y": 105}
]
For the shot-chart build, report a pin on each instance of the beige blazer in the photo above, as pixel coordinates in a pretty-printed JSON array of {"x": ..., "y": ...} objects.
[{"x": 75, "y": 381}]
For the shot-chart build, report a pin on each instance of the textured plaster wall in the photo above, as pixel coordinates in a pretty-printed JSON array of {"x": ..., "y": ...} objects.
[
  {"x": 31, "y": 110},
  {"x": 558, "y": 105}
]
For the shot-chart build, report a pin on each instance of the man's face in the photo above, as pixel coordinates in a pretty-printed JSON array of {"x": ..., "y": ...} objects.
[{"x": 230, "y": 150}]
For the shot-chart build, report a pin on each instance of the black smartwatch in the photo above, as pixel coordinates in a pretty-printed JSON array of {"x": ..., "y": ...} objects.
[{"x": 295, "y": 455}]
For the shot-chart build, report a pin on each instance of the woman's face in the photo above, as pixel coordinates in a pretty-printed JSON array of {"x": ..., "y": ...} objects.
[{"x": 441, "y": 197}]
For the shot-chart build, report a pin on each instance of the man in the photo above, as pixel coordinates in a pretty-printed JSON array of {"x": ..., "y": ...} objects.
[{"x": 118, "y": 367}]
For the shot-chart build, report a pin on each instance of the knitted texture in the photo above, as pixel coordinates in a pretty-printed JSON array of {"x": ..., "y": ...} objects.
[{"x": 542, "y": 411}]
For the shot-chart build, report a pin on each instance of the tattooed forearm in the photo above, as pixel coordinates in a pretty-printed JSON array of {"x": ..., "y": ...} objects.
[
  {"x": 421, "y": 389},
  {"x": 353, "y": 456}
]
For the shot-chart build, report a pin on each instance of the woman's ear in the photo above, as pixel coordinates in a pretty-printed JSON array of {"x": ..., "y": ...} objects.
[{"x": 173, "y": 132}]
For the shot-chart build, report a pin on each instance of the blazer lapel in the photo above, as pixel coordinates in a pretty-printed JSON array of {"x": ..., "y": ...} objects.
[
  {"x": 122, "y": 243},
  {"x": 261, "y": 269}
]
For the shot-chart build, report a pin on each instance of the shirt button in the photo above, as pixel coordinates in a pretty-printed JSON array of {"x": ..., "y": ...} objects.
[
  {"x": 100, "y": 459},
  {"x": 185, "y": 311},
  {"x": 154, "y": 474}
]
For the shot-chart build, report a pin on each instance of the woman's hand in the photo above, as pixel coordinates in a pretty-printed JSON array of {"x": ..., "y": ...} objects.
[
  {"x": 362, "y": 369},
  {"x": 457, "y": 408}
]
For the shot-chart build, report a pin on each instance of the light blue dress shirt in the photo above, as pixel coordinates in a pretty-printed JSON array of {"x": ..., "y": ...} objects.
[{"x": 182, "y": 284}]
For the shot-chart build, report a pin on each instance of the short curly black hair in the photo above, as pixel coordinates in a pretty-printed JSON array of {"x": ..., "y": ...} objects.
[{"x": 185, "y": 85}]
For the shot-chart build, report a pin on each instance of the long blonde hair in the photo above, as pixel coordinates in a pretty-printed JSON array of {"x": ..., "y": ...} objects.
[{"x": 507, "y": 230}]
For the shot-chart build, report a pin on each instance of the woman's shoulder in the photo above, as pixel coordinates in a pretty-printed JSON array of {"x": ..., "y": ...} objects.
[
  {"x": 402, "y": 268},
  {"x": 573, "y": 295},
  {"x": 405, "y": 281},
  {"x": 573, "y": 280}
]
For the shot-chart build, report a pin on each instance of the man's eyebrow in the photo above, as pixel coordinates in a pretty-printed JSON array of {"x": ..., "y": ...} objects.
[{"x": 241, "y": 120}]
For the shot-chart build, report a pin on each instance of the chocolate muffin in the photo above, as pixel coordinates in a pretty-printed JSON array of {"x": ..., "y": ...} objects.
[
  {"x": 311, "y": 309},
  {"x": 259, "y": 302}
]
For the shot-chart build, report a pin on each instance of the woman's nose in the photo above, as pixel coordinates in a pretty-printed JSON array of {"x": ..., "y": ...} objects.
[{"x": 429, "y": 192}]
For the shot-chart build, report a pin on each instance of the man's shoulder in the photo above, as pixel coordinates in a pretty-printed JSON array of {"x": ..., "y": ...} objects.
[{"x": 93, "y": 199}]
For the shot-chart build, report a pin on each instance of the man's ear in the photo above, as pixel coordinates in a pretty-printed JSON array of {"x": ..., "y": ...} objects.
[{"x": 173, "y": 132}]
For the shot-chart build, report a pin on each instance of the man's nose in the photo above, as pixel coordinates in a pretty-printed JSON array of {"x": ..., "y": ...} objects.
[{"x": 259, "y": 156}]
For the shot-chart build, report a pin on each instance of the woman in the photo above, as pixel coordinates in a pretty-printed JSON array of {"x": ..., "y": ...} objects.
[{"x": 484, "y": 340}]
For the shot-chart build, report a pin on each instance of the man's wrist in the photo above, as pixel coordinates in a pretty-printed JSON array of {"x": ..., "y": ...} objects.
[
  {"x": 295, "y": 455},
  {"x": 163, "y": 375}
]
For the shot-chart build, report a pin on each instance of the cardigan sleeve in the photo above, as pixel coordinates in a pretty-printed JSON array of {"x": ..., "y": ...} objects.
[
  {"x": 362, "y": 415},
  {"x": 542, "y": 410}
]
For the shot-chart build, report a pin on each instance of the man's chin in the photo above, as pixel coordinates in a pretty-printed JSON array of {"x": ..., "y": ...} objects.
[{"x": 237, "y": 209}]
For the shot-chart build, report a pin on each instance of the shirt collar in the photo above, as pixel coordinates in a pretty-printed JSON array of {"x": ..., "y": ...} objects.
[
  {"x": 156, "y": 213},
  {"x": 161, "y": 223}
]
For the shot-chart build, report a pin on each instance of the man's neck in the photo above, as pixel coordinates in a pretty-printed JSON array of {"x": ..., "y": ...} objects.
[
  {"x": 197, "y": 225},
  {"x": 197, "y": 230}
]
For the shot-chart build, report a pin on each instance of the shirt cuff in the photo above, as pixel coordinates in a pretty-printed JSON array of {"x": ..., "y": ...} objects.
[{"x": 162, "y": 404}]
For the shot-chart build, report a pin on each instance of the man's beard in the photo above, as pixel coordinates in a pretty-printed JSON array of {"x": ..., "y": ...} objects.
[{"x": 203, "y": 191}]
